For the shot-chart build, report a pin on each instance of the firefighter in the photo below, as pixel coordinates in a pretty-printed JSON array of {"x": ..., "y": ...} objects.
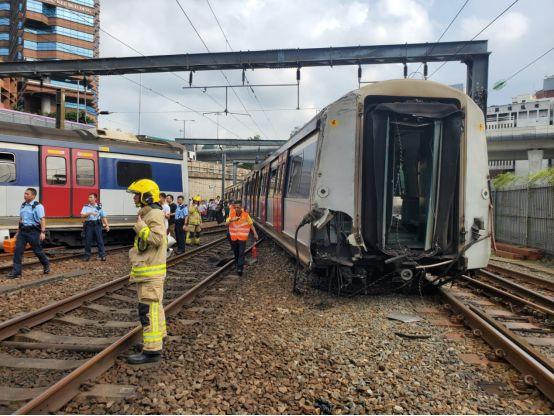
[
  {"x": 194, "y": 221},
  {"x": 240, "y": 224},
  {"x": 148, "y": 268}
]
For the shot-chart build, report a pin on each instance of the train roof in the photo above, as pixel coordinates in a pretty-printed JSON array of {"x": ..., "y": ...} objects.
[
  {"x": 393, "y": 87},
  {"x": 100, "y": 140}
]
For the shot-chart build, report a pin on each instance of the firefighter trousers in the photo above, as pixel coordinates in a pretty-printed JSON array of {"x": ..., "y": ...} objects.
[{"x": 151, "y": 314}]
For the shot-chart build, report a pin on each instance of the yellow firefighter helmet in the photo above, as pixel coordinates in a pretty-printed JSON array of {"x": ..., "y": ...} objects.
[
  {"x": 197, "y": 198},
  {"x": 147, "y": 189}
]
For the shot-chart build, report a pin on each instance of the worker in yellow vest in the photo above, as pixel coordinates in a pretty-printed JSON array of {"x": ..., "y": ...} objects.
[
  {"x": 240, "y": 224},
  {"x": 148, "y": 268},
  {"x": 194, "y": 221}
]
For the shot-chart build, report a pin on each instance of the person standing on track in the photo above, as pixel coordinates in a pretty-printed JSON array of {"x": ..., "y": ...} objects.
[
  {"x": 171, "y": 220},
  {"x": 95, "y": 218},
  {"x": 194, "y": 221},
  {"x": 32, "y": 229},
  {"x": 148, "y": 269},
  {"x": 166, "y": 210},
  {"x": 181, "y": 213},
  {"x": 240, "y": 224}
]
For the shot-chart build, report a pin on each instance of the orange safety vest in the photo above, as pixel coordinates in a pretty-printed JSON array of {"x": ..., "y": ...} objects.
[{"x": 240, "y": 229}]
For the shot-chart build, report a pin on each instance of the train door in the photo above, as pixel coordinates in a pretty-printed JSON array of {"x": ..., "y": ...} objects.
[
  {"x": 55, "y": 192},
  {"x": 84, "y": 178},
  {"x": 271, "y": 192},
  {"x": 278, "y": 197},
  {"x": 262, "y": 203}
]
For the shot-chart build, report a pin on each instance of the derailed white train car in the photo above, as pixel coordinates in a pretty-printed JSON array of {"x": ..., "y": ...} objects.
[{"x": 383, "y": 185}]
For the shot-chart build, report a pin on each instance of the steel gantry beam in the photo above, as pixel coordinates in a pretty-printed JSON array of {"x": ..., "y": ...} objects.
[
  {"x": 473, "y": 53},
  {"x": 230, "y": 142}
]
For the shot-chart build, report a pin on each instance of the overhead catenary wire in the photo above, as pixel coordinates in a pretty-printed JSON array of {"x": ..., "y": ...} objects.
[
  {"x": 245, "y": 77},
  {"x": 529, "y": 64},
  {"x": 443, "y": 33},
  {"x": 141, "y": 85},
  {"x": 222, "y": 73},
  {"x": 478, "y": 33}
]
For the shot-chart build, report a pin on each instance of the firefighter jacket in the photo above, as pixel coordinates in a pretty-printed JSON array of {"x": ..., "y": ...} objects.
[
  {"x": 148, "y": 255},
  {"x": 239, "y": 227},
  {"x": 194, "y": 215}
]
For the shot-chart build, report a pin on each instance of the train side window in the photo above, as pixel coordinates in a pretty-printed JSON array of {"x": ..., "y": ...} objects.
[
  {"x": 56, "y": 170},
  {"x": 7, "y": 167},
  {"x": 85, "y": 172},
  {"x": 128, "y": 172},
  {"x": 300, "y": 172}
]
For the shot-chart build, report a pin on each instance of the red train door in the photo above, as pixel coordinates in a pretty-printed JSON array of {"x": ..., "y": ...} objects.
[
  {"x": 278, "y": 198},
  {"x": 55, "y": 192},
  {"x": 263, "y": 193},
  {"x": 84, "y": 178}
]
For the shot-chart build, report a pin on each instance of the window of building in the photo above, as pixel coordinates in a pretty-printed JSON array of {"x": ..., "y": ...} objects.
[
  {"x": 543, "y": 113},
  {"x": 536, "y": 105},
  {"x": 4, "y": 51},
  {"x": 532, "y": 113},
  {"x": 85, "y": 172},
  {"x": 89, "y": 3},
  {"x": 4, "y": 21},
  {"x": 509, "y": 108},
  {"x": 128, "y": 172},
  {"x": 4, "y": 36},
  {"x": 523, "y": 106},
  {"x": 7, "y": 167},
  {"x": 300, "y": 171},
  {"x": 57, "y": 46},
  {"x": 4, "y": 6},
  {"x": 56, "y": 170}
]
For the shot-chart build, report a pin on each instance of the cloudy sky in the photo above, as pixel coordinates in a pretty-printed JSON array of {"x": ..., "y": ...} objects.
[{"x": 160, "y": 27}]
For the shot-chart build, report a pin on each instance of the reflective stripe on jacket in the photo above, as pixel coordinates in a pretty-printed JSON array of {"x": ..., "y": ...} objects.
[
  {"x": 148, "y": 255},
  {"x": 239, "y": 228},
  {"x": 194, "y": 215}
]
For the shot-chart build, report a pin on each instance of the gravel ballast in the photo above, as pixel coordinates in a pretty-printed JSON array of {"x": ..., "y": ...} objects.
[{"x": 264, "y": 350}]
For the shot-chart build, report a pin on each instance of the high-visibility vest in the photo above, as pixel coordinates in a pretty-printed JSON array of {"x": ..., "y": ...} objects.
[{"x": 240, "y": 229}]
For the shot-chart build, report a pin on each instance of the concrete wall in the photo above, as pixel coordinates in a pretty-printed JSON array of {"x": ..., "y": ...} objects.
[{"x": 205, "y": 178}]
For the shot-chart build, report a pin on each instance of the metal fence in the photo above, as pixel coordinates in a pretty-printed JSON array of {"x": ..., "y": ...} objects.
[{"x": 525, "y": 216}]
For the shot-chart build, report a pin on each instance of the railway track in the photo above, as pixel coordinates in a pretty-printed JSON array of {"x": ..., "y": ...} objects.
[
  {"x": 46, "y": 355},
  {"x": 513, "y": 312},
  {"x": 57, "y": 255}
]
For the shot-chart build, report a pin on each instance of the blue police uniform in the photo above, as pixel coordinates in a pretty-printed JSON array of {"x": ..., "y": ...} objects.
[
  {"x": 29, "y": 233},
  {"x": 93, "y": 229},
  {"x": 180, "y": 214}
]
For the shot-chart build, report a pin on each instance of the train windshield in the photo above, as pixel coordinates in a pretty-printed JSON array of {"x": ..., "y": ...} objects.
[{"x": 411, "y": 151}]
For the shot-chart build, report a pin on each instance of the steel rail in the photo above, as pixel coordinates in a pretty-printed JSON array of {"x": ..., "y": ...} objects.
[
  {"x": 520, "y": 290},
  {"x": 208, "y": 231},
  {"x": 524, "y": 360},
  {"x": 12, "y": 326},
  {"x": 547, "y": 284},
  {"x": 507, "y": 295},
  {"x": 65, "y": 389}
]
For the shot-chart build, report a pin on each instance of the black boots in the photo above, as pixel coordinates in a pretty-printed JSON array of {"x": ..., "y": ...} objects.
[
  {"x": 145, "y": 357},
  {"x": 12, "y": 275},
  {"x": 46, "y": 269}
]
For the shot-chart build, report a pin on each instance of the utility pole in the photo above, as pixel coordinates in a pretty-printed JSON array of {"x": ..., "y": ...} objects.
[
  {"x": 139, "y": 102},
  {"x": 60, "y": 109},
  {"x": 184, "y": 125}
]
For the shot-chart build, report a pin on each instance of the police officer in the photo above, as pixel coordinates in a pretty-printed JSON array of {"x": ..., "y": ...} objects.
[
  {"x": 94, "y": 217},
  {"x": 32, "y": 228},
  {"x": 240, "y": 224},
  {"x": 148, "y": 268},
  {"x": 181, "y": 212}
]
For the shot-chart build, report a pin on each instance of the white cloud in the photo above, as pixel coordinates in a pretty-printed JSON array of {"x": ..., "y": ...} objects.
[
  {"x": 508, "y": 29},
  {"x": 271, "y": 24}
]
